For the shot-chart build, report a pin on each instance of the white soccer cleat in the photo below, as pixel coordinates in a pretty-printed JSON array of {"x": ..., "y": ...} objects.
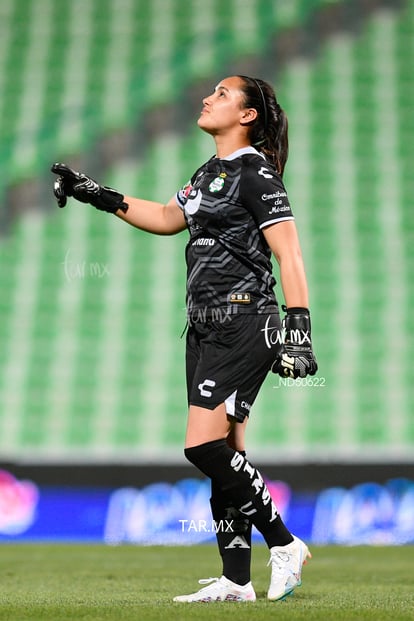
[
  {"x": 220, "y": 590},
  {"x": 287, "y": 562}
]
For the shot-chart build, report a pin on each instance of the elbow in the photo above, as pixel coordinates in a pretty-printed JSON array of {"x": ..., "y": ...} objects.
[{"x": 292, "y": 256}]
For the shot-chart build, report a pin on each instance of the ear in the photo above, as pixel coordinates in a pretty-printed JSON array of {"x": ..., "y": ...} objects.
[{"x": 248, "y": 116}]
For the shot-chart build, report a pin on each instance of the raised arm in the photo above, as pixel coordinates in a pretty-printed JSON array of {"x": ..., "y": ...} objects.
[
  {"x": 152, "y": 216},
  {"x": 147, "y": 215}
]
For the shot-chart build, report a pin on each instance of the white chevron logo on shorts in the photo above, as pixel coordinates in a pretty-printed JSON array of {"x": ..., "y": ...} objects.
[{"x": 203, "y": 392}]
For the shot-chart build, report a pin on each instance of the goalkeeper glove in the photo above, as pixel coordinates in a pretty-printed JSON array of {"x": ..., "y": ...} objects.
[
  {"x": 296, "y": 358},
  {"x": 86, "y": 190}
]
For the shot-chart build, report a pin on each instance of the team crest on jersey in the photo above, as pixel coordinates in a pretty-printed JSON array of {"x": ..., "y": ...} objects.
[{"x": 217, "y": 183}]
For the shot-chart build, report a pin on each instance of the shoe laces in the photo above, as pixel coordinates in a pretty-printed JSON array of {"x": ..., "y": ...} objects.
[
  {"x": 208, "y": 581},
  {"x": 278, "y": 560}
]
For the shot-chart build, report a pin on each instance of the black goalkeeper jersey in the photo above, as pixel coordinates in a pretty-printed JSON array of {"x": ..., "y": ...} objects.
[{"x": 226, "y": 205}]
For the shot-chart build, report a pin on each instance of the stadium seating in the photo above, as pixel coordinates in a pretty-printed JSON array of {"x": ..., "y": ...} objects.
[
  {"x": 70, "y": 71},
  {"x": 91, "y": 360},
  {"x": 347, "y": 115}
]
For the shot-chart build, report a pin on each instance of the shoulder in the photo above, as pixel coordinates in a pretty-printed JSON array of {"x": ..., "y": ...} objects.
[
  {"x": 201, "y": 169},
  {"x": 257, "y": 165},
  {"x": 257, "y": 172},
  {"x": 246, "y": 158},
  {"x": 262, "y": 191}
]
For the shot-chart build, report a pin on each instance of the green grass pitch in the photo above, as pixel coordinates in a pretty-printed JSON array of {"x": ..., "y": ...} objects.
[{"x": 94, "y": 582}]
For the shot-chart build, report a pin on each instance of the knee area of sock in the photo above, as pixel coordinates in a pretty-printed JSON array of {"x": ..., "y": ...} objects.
[
  {"x": 203, "y": 454},
  {"x": 191, "y": 454}
]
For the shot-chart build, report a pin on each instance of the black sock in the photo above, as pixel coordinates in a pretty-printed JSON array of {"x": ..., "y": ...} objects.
[
  {"x": 241, "y": 482},
  {"x": 234, "y": 536}
]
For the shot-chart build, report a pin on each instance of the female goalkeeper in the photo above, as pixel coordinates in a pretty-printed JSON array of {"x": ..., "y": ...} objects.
[{"x": 237, "y": 212}]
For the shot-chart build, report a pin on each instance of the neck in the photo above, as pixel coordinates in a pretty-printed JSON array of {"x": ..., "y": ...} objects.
[{"x": 225, "y": 146}]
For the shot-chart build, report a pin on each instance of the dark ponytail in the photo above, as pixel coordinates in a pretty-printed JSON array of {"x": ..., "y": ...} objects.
[{"x": 269, "y": 132}]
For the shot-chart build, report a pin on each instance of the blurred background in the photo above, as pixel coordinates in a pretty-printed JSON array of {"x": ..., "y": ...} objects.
[{"x": 92, "y": 392}]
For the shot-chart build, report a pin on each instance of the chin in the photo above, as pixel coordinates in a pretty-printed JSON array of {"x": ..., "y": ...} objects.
[{"x": 203, "y": 124}]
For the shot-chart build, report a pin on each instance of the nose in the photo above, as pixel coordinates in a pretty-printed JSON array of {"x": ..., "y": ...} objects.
[{"x": 206, "y": 100}]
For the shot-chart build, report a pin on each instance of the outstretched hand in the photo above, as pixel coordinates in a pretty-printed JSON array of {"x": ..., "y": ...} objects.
[
  {"x": 63, "y": 186},
  {"x": 85, "y": 189}
]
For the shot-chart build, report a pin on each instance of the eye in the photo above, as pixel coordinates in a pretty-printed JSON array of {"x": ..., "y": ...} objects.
[{"x": 220, "y": 92}]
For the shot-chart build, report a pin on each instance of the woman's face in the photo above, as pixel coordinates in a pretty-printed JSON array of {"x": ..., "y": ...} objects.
[{"x": 223, "y": 110}]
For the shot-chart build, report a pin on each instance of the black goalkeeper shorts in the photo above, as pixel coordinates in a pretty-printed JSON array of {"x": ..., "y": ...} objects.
[{"x": 227, "y": 361}]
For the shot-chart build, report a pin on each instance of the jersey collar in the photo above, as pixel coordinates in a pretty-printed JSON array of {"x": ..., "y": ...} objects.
[{"x": 241, "y": 152}]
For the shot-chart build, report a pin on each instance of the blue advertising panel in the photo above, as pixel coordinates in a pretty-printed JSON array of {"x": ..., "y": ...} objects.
[{"x": 179, "y": 513}]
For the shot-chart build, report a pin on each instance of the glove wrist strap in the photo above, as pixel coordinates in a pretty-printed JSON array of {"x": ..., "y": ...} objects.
[
  {"x": 109, "y": 200},
  {"x": 298, "y": 329},
  {"x": 297, "y": 310}
]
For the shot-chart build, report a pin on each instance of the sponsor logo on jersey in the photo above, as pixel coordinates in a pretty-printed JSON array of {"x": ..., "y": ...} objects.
[
  {"x": 279, "y": 208},
  {"x": 204, "y": 241},
  {"x": 275, "y": 195}
]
